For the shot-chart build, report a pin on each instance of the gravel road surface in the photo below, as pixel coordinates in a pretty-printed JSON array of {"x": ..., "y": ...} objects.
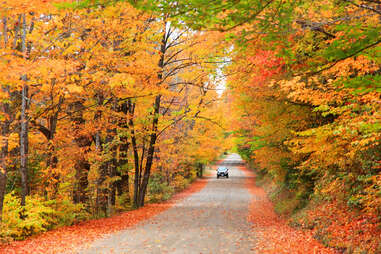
[{"x": 213, "y": 220}]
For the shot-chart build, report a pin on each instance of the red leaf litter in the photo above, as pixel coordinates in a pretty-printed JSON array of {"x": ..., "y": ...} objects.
[
  {"x": 273, "y": 234},
  {"x": 70, "y": 238}
]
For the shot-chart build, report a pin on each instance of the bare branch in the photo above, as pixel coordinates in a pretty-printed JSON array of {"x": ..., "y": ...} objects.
[
  {"x": 363, "y": 6},
  {"x": 339, "y": 60},
  {"x": 211, "y": 120}
]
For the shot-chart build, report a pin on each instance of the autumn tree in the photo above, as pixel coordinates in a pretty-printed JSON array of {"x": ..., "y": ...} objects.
[{"x": 99, "y": 93}]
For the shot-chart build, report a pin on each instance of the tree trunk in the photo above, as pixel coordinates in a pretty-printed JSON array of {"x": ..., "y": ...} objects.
[
  {"x": 111, "y": 187},
  {"x": 137, "y": 173},
  {"x": 3, "y": 180},
  {"x": 100, "y": 203},
  {"x": 4, "y": 128},
  {"x": 122, "y": 185},
  {"x": 53, "y": 160},
  {"x": 142, "y": 189},
  {"x": 150, "y": 153},
  {"x": 113, "y": 163},
  {"x": 49, "y": 133},
  {"x": 24, "y": 145},
  {"x": 200, "y": 169},
  {"x": 109, "y": 190},
  {"x": 82, "y": 166},
  {"x": 131, "y": 107},
  {"x": 4, "y": 150},
  {"x": 16, "y": 36},
  {"x": 101, "y": 197},
  {"x": 24, "y": 125}
]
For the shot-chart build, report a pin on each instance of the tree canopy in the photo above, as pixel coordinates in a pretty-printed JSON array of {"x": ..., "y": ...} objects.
[{"x": 107, "y": 104}]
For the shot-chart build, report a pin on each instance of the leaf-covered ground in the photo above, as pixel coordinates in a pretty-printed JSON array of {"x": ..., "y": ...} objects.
[
  {"x": 274, "y": 236},
  {"x": 270, "y": 233},
  {"x": 67, "y": 239}
]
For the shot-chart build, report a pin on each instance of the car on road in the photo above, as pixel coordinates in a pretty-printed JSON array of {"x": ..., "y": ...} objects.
[{"x": 222, "y": 171}]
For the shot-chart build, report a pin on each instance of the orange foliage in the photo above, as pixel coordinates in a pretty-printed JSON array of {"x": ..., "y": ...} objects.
[{"x": 113, "y": 93}]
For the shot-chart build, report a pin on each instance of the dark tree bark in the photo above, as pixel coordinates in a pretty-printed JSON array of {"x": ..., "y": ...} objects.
[
  {"x": 200, "y": 169},
  {"x": 4, "y": 128},
  {"x": 108, "y": 170},
  {"x": 111, "y": 163},
  {"x": 135, "y": 152},
  {"x": 49, "y": 132},
  {"x": 24, "y": 145},
  {"x": 102, "y": 200},
  {"x": 5, "y": 123},
  {"x": 122, "y": 185},
  {"x": 141, "y": 189},
  {"x": 24, "y": 124},
  {"x": 53, "y": 160},
  {"x": 82, "y": 166},
  {"x": 150, "y": 153},
  {"x": 169, "y": 66}
]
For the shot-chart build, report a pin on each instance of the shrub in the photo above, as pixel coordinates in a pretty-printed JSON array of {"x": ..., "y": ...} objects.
[
  {"x": 179, "y": 182},
  {"x": 37, "y": 215},
  {"x": 68, "y": 213},
  {"x": 123, "y": 202},
  {"x": 159, "y": 190}
]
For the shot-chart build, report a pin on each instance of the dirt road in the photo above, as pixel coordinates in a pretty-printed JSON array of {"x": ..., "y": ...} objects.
[{"x": 213, "y": 220}]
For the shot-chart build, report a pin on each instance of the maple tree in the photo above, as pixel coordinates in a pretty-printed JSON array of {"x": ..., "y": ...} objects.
[{"x": 94, "y": 101}]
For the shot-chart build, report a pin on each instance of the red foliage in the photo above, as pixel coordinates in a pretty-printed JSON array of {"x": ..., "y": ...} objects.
[
  {"x": 267, "y": 65},
  {"x": 347, "y": 227},
  {"x": 273, "y": 233},
  {"x": 69, "y": 238}
]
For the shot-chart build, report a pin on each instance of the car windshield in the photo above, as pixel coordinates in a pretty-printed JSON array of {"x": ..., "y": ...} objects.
[{"x": 222, "y": 169}]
